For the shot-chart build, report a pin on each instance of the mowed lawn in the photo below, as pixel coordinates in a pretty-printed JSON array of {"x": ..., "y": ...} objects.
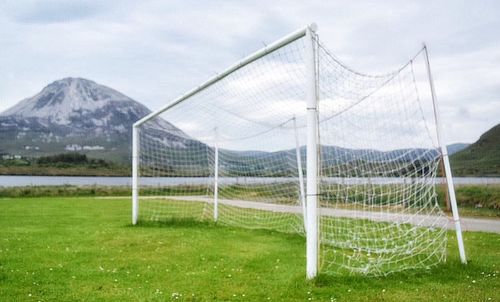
[{"x": 75, "y": 249}]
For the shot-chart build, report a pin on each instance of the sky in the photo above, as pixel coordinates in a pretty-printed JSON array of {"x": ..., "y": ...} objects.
[{"x": 154, "y": 51}]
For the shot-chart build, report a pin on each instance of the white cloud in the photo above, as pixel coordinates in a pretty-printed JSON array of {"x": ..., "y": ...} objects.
[{"x": 156, "y": 50}]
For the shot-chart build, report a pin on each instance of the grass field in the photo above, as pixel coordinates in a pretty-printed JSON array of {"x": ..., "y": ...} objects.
[{"x": 83, "y": 248}]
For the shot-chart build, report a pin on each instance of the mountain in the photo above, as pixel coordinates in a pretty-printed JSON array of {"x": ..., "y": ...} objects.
[
  {"x": 75, "y": 114},
  {"x": 482, "y": 158}
]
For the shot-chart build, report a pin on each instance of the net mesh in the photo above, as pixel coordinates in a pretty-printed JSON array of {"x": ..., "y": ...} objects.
[
  {"x": 379, "y": 161},
  {"x": 239, "y": 144},
  {"x": 258, "y": 177}
]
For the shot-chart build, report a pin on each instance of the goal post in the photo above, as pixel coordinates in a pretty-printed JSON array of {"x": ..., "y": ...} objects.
[
  {"x": 216, "y": 177},
  {"x": 312, "y": 240},
  {"x": 300, "y": 172},
  {"x": 446, "y": 161},
  {"x": 229, "y": 151},
  {"x": 135, "y": 174}
]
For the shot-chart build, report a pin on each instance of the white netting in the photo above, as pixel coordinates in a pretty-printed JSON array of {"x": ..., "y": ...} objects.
[
  {"x": 378, "y": 159},
  {"x": 379, "y": 210},
  {"x": 257, "y": 162}
]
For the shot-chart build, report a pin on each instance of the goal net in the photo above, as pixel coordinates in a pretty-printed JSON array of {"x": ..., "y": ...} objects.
[
  {"x": 379, "y": 161},
  {"x": 234, "y": 151}
]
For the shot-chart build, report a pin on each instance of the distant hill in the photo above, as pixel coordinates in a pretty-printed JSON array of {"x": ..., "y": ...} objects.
[
  {"x": 454, "y": 148},
  {"x": 482, "y": 158}
]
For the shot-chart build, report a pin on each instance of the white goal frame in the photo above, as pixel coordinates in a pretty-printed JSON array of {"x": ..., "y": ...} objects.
[{"x": 311, "y": 208}]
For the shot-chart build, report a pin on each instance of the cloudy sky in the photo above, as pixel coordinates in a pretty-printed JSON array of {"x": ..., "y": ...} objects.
[{"x": 154, "y": 51}]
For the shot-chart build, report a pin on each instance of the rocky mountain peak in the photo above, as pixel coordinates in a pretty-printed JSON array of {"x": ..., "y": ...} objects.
[
  {"x": 64, "y": 99},
  {"x": 77, "y": 111}
]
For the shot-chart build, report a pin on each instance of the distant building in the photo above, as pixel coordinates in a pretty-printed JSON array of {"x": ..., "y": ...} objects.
[
  {"x": 31, "y": 148},
  {"x": 76, "y": 147},
  {"x": 73, "y": 147},
  {"x": 8, "y": 156},
  {"x": 93, "y": 148}
]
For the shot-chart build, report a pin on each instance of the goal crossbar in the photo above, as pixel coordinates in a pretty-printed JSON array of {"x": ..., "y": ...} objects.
[{"x": 245, "y": 61}]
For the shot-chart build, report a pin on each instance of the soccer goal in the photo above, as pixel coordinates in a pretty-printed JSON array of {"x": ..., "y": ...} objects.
[{"x": 292, "y": 139}]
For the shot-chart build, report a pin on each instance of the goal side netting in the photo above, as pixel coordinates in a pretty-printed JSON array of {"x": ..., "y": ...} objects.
[{"x": 234, "y": 152}]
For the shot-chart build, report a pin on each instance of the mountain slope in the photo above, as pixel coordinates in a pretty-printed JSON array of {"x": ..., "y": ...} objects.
[
  {"x": 482, "y": 158},
  {"x": 75, "y": 114}
]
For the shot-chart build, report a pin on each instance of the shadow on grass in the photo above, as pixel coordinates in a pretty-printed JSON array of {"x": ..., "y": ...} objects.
[
  {"x": 206, "y": 224},
  {"x": 450, "y": 272},
  {"x": 174, "y": 222}
]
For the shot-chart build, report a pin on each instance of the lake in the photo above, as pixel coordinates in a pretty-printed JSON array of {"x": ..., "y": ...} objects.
[{"x": 11, "y": 181}]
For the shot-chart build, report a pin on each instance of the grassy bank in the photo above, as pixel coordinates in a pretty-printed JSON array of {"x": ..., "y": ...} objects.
[
  {"x": 482, "y": 158},
  {"x": 65, "y": 164},
  {"x": 477, "y": 200},
  {"x": 473, "y": 200},
  {"x": 65, "y": 171},
  {"x": 74, "y": 249}
]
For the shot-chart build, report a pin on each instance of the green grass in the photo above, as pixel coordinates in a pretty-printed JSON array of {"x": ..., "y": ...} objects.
[{"x": 74, "y": 249}]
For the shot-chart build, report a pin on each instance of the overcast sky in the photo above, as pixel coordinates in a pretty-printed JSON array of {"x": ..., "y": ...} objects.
[{"x": 154, "y": 51}]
